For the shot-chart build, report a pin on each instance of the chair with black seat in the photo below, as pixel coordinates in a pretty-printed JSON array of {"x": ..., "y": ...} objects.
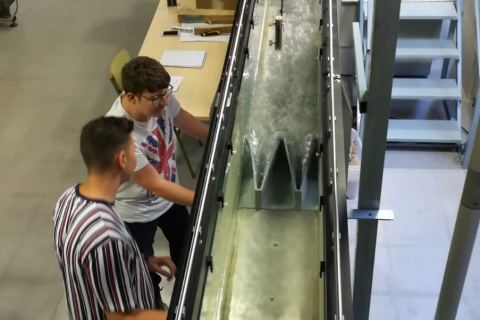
[
  {"x": 115, "y": 70},
  {"x": 5, "y": 12}
]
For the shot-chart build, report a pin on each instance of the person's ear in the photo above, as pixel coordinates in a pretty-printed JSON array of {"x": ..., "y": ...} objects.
[
  {"x": 130, "y": 96},
  {"x": 122, "y": 159}
]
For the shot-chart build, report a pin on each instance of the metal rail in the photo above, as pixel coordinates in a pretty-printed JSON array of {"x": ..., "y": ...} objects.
[
  {"x": 338, "y": 288},
  {"x": 333, "y": 120},
  {"x": 186, "y": 300}
]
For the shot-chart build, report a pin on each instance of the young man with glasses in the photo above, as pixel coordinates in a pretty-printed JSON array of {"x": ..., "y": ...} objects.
[
  {"x": 153, "y": 198},
  {"x": 104, "y": 273}
]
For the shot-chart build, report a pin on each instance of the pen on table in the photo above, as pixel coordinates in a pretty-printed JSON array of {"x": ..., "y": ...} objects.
[
  {"x": 210, "y": 33},
  {"x": 170, "y": 33}
]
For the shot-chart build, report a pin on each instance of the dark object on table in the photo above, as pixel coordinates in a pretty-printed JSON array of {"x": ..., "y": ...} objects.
[{"x": 170, "y": 33}]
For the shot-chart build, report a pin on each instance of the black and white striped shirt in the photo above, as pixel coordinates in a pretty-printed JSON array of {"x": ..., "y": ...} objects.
[{"x": 103, "y": 269}]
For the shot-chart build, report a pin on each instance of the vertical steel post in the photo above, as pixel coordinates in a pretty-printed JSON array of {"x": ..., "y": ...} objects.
[
  {"x": 386, "y": 20},
  {"x": 463, "y": 239}
]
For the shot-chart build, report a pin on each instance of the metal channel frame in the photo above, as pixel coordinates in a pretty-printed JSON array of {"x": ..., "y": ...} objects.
[
  {"x": 189, "y": 287},
  {"x": 338, "y": 297}
]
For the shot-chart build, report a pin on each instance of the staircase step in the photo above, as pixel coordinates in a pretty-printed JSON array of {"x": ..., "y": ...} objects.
[
  {"x": 424, "y": 10},
  {"x": 428, "y": 10},
  {"x": 428, "y": 89},
  {"x": 429, "y": 131},
  {"x": 426, "y": 49}
]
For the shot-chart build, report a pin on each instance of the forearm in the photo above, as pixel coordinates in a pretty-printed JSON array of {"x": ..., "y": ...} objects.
[
  {"x": 191, "y": 126},
  {"x": 173, "y": 192},
  {"x": 138, "y": 315},
  {"x": 197, "y": 130},
  {"x": 148, "y": 178}
]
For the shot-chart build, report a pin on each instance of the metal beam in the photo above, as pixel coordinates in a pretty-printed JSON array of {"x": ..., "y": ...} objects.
[
  {"x": 476, "y": 113},
  {"x": 360, "y": 75},
  {"x": 374, "y": 143},
  {"x": 473, "y": 129},
  {"x": 463, "y": 240}
]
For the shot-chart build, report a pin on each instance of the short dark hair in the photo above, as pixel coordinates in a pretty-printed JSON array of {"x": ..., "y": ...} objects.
[
  {"x": 144, "y": 74},
  {"x": 101, "y": 138}
]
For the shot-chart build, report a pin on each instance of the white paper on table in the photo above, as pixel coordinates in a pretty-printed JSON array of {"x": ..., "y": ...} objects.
[
  {"x": 183, "y": 58},
  {"x": 190, "y": 36},
  {"x": 175, "y": 82}
]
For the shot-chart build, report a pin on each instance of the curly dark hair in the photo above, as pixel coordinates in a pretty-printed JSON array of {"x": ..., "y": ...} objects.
[{"x": 144, "y": 74}]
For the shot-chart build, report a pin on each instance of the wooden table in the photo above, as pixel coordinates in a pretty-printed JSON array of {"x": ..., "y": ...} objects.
[{"x": 197, "y": 90}]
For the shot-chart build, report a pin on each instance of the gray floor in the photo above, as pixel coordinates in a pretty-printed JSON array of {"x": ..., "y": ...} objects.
[
  {"x": 423, "y": 188},
  {"x": 53, "y": 78}
]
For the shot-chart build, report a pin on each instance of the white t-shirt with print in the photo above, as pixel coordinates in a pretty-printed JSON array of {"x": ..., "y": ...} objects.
[{"x": 154, "y": 144}]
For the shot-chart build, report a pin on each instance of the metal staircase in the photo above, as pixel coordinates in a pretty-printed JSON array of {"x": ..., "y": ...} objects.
[{"x": 429, "y": 31}]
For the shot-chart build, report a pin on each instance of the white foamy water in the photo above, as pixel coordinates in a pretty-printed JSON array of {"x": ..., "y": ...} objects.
[{"x": 279, "y": 94}]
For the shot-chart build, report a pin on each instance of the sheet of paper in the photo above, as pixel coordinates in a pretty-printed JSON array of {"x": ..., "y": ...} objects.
[
  {"x": 190, "y": 36},
  {"x": 183, "y": 58},
  {"x": 175, "y": 82}
]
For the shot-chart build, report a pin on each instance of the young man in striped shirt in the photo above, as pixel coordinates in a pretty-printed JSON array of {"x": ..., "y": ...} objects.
[{"x": 105, "y": 275}]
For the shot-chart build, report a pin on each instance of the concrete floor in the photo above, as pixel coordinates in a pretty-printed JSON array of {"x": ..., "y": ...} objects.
[
  {"x": 424, "y": 189},
  {"x": 53, "y": 79}
]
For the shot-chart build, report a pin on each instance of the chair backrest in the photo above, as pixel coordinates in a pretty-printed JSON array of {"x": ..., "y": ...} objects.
[{"x": 115, "y": 70}]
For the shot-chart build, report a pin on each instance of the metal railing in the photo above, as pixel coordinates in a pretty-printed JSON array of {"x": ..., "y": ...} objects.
[
  {"x": 338, "y": 288},
  {"x": 188, "y": 292}
]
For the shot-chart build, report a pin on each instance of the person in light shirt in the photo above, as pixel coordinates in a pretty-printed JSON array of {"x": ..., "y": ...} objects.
[{"x": 153, "y": 198}]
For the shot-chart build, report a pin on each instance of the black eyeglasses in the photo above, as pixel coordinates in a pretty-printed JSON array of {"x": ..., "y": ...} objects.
[{"x": 157, "y": 98}]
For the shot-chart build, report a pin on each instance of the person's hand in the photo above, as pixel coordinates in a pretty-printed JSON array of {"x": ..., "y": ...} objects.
[{"x": 162, "y": 265}]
